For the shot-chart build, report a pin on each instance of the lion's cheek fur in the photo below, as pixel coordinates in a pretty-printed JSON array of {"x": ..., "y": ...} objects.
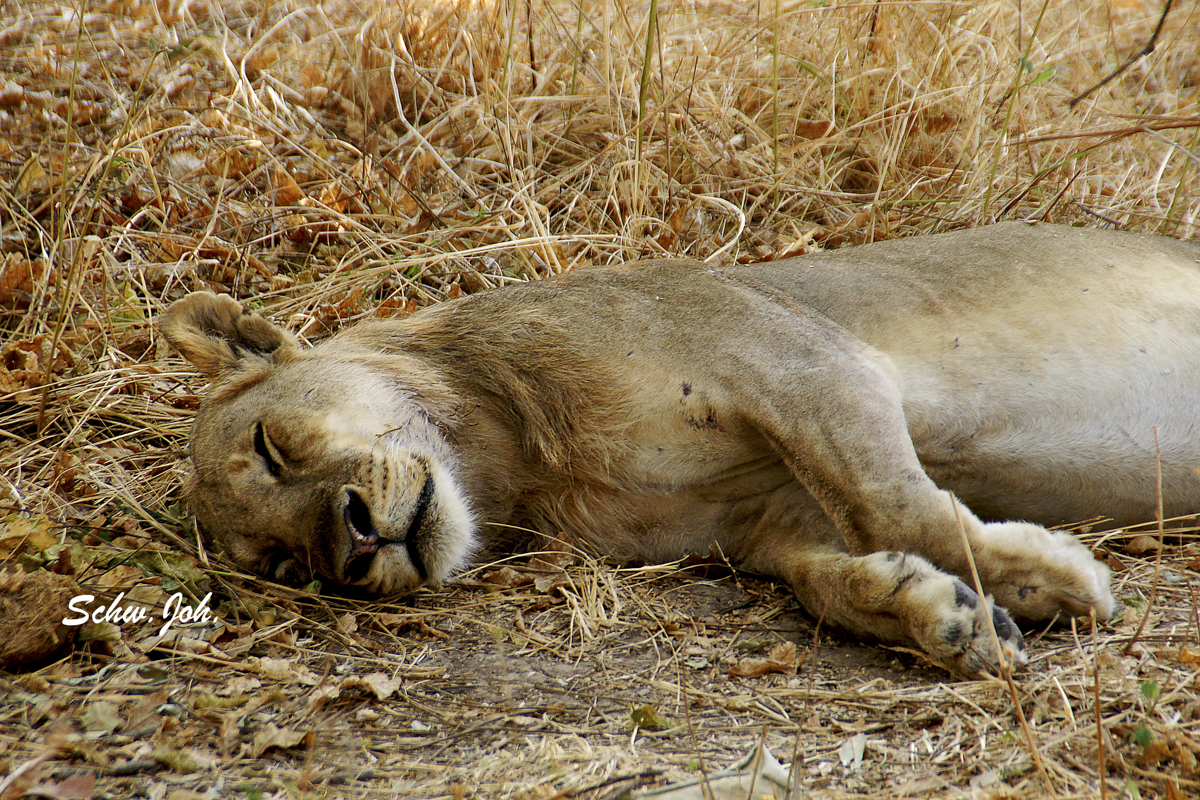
[{"x": 295, "y": 520}]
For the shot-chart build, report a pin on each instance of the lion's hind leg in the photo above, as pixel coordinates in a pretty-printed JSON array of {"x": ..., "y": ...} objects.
[
  {"x": 1041, "y": 574},
  {"x": 900, "y": 598}
]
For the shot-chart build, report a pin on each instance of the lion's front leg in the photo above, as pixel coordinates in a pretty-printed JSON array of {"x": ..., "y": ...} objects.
[
  {"x": 832, "y": 407},
  {"x": 902, "y": 599}
]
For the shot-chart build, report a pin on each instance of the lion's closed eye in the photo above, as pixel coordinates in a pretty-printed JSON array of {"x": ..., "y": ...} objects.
[{"x": 267, "y": 451}]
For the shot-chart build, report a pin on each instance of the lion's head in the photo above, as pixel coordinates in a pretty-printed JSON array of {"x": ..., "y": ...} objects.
[{"x": 319, "y": 465}]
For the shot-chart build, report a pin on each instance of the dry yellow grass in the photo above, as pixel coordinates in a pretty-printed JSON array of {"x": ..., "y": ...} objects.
[{"x": 329, "y": 161}]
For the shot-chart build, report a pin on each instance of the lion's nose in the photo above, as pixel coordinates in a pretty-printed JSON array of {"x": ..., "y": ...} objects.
[{"x": 364, "y": 539}]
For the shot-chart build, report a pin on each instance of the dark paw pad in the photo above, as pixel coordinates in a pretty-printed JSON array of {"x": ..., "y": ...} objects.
[
  {"x": 964, "y": 595},
  {"x": 1006, "y": 629},
  {"x": 967, "y": 638}
]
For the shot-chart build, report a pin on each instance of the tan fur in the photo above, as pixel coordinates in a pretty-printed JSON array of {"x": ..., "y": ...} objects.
[{"x": 809, "y": 417}]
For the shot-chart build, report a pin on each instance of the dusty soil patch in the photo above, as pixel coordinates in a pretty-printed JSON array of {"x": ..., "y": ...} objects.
[{"x": 331, "y": 161}]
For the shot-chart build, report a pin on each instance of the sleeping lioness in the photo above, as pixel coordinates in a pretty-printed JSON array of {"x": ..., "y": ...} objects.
[{"x": 813, "y": 418}]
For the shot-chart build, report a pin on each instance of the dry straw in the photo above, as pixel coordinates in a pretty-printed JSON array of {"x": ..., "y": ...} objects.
[{"x": 330, "y": 161}]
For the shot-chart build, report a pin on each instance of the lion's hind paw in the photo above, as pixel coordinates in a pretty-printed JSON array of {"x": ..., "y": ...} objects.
[{"x": 1042, "y": 575}]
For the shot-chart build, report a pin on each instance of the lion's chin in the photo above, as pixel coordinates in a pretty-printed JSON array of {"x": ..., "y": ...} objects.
[{"x": 391, "y": 572}]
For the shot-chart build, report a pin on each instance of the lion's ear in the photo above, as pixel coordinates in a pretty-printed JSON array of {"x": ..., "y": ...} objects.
[{"x": 216, "y": 333}]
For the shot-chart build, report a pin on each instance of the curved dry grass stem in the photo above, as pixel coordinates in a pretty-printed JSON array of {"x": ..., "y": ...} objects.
[
  {"x": 1101, "y": 768},
  {"x": 1158, "y": 514}
]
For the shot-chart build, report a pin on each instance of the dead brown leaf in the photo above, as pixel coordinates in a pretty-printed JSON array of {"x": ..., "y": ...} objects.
[
  {"x": 76, "y": 787},
  {"x": 287, "y": 191},
  {"x": 31, "y": 618},
  {"x": 506, "y": 578},
  {"x": 143, "y": 718},
  {"x": 781, "y": 659},
  {"x": 275, "y": 737},
  {"x": 378, "y": 683},
  {"x": 558, "y": 553},
  {"x": 18, "y": 276},
  {"x": 1141, "y": 545}
]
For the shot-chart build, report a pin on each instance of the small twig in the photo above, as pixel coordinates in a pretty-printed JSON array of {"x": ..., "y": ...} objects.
[
  {"x": 1033, "y": 750},
  {"x": 1158, "y": 515},
  {"x": 1116, "y": 225},
  {"x": 1050, "y": 206},
  {"x": 625, "y": 782},
  {"x": 1001, "y": 662},
  {"x": 705, "y": 788},
  {"x": 1147, "y": 50},
  {"x": 793, "y": 775},
  {"x": 756, "y": 761},
  {"x": 962, "y": 530},
  {"x": 1008, "y": 102},
  {"x": 533, "y": 68},
  {"x": 1195, "y": 615},
  {"x": 812, "y": 659},
  {"x": 644, "y": 83},
  {"x": 793, "y": 768},
  {"x": 874, "y": 27},
  {"x": 1111, "y": 134},
  {"x": 1100, "y": 770}
]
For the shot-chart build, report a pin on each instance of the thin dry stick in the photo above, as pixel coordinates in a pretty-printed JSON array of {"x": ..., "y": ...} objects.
[
  {"x": 775, "y": 102},
  {"x": 643, "y": 91},
  {"x": 793, "y": 775},
  {"x": 705, "y": 788},
  {"x": 1158, "y": 514},
  {"x": 962, "y": 530},
  {"x": 1100, "y": 771},
  {"x": 1147, "y": 50},
  {"x": 1111, "y": 135},
  {"x": 793, "y": 768},
  {"x": 1005, "y": 667},
  {"x": 1194, "y": 619},
  {"x": 533, "y": 69},
  {"x": 756, "y": 762},
  {"x": 76, "y": 268},
  {"x": 1010, "y": 98},
  {"x": 812, "y": 659}
]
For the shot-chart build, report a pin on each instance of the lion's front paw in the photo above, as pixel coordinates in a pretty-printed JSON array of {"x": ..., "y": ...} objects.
[
  {"x": 952, "y": 626},
  {"x": 965, "y": 640},
  {"x": 902, "y": 598},
  {"x": 1039, "y": 574}
]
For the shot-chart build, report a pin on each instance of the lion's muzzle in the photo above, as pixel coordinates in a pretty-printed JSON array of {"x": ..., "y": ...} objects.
[{"x": 366, "y": 539}]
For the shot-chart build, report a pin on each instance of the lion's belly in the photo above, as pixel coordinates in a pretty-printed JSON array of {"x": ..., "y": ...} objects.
[{"x": 1065, "y": 439}]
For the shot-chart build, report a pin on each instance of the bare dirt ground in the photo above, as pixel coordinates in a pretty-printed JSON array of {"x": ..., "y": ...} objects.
[{"x": 337, "y": 160}]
